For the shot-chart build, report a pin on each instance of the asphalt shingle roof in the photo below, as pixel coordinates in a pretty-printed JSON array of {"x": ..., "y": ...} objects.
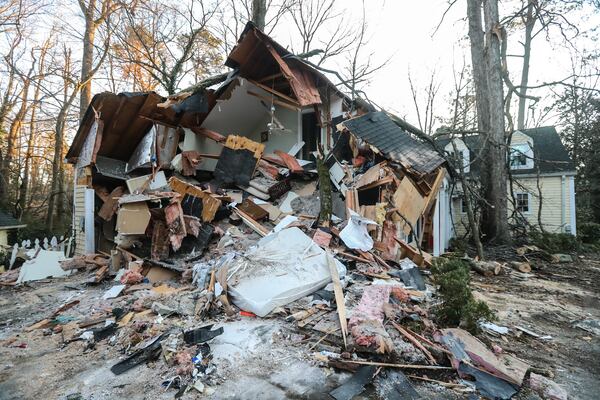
[
  {"x": 380, "y": 131},
  {"x": 7, "y": 221}
]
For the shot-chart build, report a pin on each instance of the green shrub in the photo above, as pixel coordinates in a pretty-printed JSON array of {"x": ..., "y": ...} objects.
[
  {"x": 589, "y": 232},
  {"x": 458, "y": 307},
  {"x": 556, "y": 242},
  {"x": 458, "y": 245}
]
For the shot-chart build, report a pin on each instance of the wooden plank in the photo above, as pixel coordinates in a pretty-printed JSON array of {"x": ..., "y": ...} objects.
[
  {"x": 258, "y": 228},
  {"x": 372, "y": 175},
  {"x": 275, "y": 92},
  {"x": 414, "y": 254},
  {"x": 275, "y": 101},
  {"x": 415, "y": 342},
  {"x": 390, "y": 365},
  {"x": 217, "y": 137},
  {"x": 383, "y": 181},
  {"x": 435, "y": 188},
  {"x": 290, "y": 161},
  {"x": 339, "y": 297}
]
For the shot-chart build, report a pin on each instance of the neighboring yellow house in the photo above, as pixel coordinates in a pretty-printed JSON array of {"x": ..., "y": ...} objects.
[
  {"x": 8, "y": 223},
  {"x": 536, "y": 155}
]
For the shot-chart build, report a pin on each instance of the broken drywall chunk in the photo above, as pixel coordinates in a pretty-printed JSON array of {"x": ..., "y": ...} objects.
[
  {"x": 355, "y": 235},
  {"x": 113, "y": 292},
  {"x": 45, "y": 265},
  {"x": 147, "y": 182},
  {"x": 133, "y": 218},
  {"x": 281, "y": 268}
]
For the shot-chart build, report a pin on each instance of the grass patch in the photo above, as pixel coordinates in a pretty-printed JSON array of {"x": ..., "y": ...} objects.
[{"x": 459, "y": 307}]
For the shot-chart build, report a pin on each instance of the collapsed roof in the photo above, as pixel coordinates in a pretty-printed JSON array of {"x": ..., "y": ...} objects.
[{"x": 379, "y": 131}]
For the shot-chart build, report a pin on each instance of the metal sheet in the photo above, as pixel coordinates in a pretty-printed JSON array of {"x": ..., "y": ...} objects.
[{"x": 144, "y": 153}]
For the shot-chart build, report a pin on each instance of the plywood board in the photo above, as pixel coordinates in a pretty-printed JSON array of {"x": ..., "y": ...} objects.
[{"x": 409, "y": 202}]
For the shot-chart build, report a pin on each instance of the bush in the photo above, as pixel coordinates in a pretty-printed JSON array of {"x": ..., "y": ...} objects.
[
  {"x": 458, "y": 245},
  {"x": 589, "y": 232},
  {"x": 556, "y": 242},
  {"x": 458, "y": 307}
]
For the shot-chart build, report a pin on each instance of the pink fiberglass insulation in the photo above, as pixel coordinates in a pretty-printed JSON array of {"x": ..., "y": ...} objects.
[{"x": 366, "y": 323}]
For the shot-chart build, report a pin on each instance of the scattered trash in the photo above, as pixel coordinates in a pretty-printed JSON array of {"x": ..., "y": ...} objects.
[{"x": 113, "y": 292}]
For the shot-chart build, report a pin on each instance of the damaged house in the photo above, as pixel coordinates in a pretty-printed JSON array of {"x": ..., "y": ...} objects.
[{"x": 153, "y": 175}]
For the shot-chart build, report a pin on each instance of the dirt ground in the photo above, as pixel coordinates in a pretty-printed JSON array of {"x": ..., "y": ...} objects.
[
  {"x": 265, "y": 358},
  {"x": 550, "y": 302}
]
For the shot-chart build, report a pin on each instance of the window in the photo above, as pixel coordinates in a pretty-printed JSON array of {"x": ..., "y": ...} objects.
[
  {"x": 463, "y": 158},
  {"x": 521, "y": 156},
  {"x": 463, "y": 206},
  {"x": 523, "y": 202}
]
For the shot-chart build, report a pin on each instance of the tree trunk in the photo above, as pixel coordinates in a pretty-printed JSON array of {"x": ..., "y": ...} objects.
[
  {"x": 259, "y": 12},
  {"x": 87, "y": 58},
  {"x": 497, "y": 189},
  {"x": 56, "y": 166},
  {"x": 529, "y": 23},
  {"x": 24, "y": 188}
]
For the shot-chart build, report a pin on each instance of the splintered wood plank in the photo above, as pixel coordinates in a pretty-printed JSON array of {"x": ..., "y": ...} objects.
[
  {"x": 435, "y": 188},
  {"x": 235, "y": 142},
  {"x": 210, "y": 205},
  {"x": 290, "y": 161},
  {"x": 339, "y": 297}
]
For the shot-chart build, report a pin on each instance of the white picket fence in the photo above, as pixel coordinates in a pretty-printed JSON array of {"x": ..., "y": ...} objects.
[{"x": 53, "y": 244}]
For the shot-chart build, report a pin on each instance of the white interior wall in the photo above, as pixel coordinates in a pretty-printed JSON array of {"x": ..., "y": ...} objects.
[{"x": 243, "y": 114}]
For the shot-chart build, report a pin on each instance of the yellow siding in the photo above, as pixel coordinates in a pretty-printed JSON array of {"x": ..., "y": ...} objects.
[
  {"x": 555, "y": 204},
  {"x": 79, "y": 213},
  {"x": 3, "y": 238},
  {"x": 520, "y": 138}
]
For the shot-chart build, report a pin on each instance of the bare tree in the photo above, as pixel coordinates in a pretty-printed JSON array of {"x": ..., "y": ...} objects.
[
  {"x": 426, "y": 116},
  {"x": 21, "y": 203},
  {"x": 157, "y": 43},
  {"x": 487, "y": 76},
  {"x": 234, "y": 14},
  {"x": 95, "y": 14},
  {"x": 322, "y": 27},
  {"x": 259, "y": 13}
]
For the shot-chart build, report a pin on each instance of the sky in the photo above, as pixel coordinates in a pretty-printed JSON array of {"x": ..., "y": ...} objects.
[{"x": 405, "y": 32}]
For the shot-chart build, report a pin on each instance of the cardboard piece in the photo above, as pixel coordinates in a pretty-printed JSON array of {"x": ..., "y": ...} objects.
[
  {"x": 160, "y": 274},
  {"x": 133, "y": 218}
]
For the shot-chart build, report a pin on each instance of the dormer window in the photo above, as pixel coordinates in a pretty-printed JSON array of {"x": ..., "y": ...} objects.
[
  {"x": 521, "y": 156},
  {"x": 463, "y": 155}
]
